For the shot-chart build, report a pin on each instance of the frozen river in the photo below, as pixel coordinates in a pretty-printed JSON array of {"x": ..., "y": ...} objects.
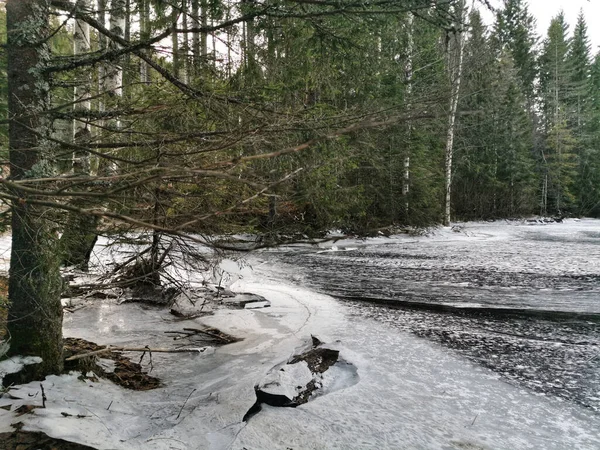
[
  {"x": 484, "y": 338},
  {"x": 522, "y": 299}
]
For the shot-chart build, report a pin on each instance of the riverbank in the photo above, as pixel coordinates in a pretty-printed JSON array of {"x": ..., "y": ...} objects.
[{"x": 391, "y": 390}]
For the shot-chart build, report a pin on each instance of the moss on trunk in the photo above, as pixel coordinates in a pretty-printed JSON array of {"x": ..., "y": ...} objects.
[{"x": 35, "y": 311}]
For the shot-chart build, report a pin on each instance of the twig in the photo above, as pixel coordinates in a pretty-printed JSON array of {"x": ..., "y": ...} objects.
[
  {"x": 209, "y": 333},
  {"x": 43, "y": 396},
  {"x": 150, "y": 356},
  {"x": 136, "y": 349},
  {"x": 184, "y": 403},
  {"x": 476, "y": 415}
]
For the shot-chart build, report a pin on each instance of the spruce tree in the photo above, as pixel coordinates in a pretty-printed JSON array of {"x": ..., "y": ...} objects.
[
  {"x": 557, "y": 157},
  {"x": 514, "y": 32},
  {"x": 578, "y": 61}
]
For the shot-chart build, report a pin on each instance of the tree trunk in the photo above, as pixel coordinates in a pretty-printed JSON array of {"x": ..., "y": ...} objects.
[
  {"x": 81, "y": 93},
  {"x": 35, "y": 313},
  {"x": 144, "y": 34},
  {"x": 455, "y": 62},
  {"x": 102, "y": 44},
  {"x": 175, "y": 43},
  {"x": 127, "y": 57},
  {"x": 195, "y": 34},
  {"x": 204, "y": 36},
  {"x": 409, "y": 88},
  {"x": 114, "y": 77},
  {"x": 79, "y": 235},
  {"x": 186, "y": 44}
]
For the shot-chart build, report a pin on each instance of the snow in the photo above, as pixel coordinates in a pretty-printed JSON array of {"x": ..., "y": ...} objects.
[
  {"x": 390, "y": 389},
  {"x": 288, "y": 380},
  {"x": 16, "y": 363}
]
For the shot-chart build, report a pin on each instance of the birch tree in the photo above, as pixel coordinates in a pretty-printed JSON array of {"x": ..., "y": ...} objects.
[
  {"x": 82, "y": 92},
  {"x": 79, "y": 235},
  {"x": 455, "y": 52},
  {"x": 409, "y": 88}
]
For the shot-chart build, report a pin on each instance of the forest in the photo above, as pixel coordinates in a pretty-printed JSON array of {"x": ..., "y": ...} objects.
[
  {"x": 194, "y": 182},
  {"x": 305, "y": 117}
]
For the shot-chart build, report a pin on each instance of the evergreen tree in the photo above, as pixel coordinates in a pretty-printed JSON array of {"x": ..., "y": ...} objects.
[
  {"x": 494, "y": 174},
  {"x": 578, "y": 105},
  {"x": 35, "y": 313},
  {"x": 555, "y": 92},
  {"x": 589, "y": 159},
  {"x": 514, "y": 34}
]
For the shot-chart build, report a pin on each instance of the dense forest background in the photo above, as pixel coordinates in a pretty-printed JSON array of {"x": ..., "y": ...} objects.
[{"x": 306, "y": 119}]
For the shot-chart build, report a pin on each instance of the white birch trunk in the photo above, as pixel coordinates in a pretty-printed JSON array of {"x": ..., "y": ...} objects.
[
  {"x": 409, "y": 76},
  {"x": 186, "y": 45},
  {"x": 81, "y": 92},
  {"x": 195, "y": 34},
  {"x": 455, "y": 62},
  {"x": 175, "y": 44},
  {"x": 145, "y": 34},
  {"x": 114, "y": 76},
  {"x": 102, "y": 44}
]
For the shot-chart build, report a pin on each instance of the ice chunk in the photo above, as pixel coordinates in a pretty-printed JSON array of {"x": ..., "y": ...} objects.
[{"x": 16, "y": 363}]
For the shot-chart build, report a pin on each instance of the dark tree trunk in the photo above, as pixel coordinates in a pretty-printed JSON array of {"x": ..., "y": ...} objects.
[{"x": 35, "y": 313}]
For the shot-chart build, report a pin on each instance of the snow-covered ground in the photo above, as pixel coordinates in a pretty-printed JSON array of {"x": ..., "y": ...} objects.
[{"x": 392, "y": 389}]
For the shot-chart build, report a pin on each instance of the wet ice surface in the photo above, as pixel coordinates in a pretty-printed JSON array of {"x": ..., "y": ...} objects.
[{"x": 523, "y": 300}]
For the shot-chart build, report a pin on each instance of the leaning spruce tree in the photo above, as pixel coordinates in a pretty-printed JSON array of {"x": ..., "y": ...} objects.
[{"x": 35, "y": 313}]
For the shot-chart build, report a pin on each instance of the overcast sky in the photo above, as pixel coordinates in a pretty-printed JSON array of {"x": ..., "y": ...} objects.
[{"x": 545, "y": 10}]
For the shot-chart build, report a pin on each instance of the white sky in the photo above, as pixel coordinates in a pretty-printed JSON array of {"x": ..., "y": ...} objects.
[{"x": 545, "y": 10}]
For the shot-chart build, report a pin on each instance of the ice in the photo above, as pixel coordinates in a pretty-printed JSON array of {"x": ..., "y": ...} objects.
[
  {"x": 287, "y": 380},
  {"x": 389, "y": 390},
  {"x": 15, "y": 363}
]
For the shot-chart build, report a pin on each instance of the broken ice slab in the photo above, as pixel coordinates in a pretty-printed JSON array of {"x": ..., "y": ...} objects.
[
  {"x": 247, "y": 301},
  {"x": 258, "y": 305},
  {"x": 284, "y": 385},
  {"x": 192, "y": 303}
]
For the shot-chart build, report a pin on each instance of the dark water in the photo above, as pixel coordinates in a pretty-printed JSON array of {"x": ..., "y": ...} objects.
[{"x": 522, "y": 301}]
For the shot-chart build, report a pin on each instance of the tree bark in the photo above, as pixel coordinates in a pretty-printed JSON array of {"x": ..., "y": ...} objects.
[
  {"x": 186, "y": 43},
  {"x": 114, "y": 77},
  {"x": 80, "y": 233},
  {"x": 102, "y": 45},
  {"x": 127, "y": 57},
  {"x": 35, "y": 312},
  {"x": 409, "y": 88},
  {"x": 197, "y": 56},
  {"x": 204, "y": 36},
  {"x": 145, "y": 34},
  {"x": 79, "y": 236},
  {"x": 81, "y": 93},
  {"x": 175, "y": 43}
]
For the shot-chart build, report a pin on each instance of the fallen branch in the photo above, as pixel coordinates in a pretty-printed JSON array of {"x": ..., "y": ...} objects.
[
  {"x": 212, "y": 334},
  {"x": 137, "y": 349}
]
